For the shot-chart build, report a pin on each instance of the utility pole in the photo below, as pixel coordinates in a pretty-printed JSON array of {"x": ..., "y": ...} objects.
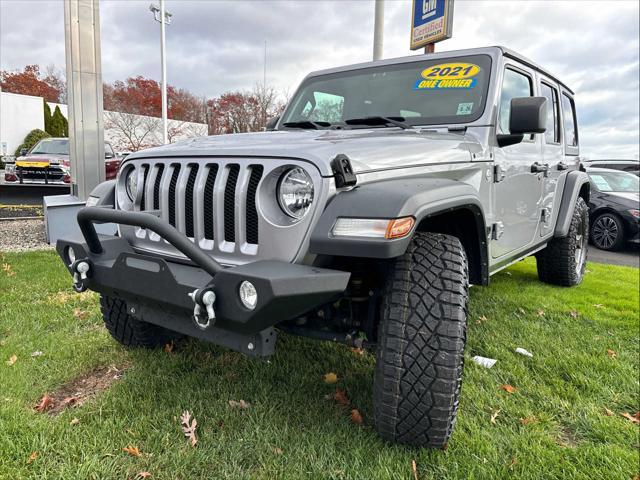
[
  {"x": 378, "y": 30},
  {"x": 164, "y": 17}
]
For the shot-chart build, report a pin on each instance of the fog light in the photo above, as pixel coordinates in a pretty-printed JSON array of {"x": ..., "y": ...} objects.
[
  {"x": 71, "y": 254},
  {"x": 248, "y": 295}
]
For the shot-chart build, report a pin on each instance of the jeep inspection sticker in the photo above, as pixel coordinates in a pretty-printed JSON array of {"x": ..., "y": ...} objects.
[
  {"x": 448, "y": 75},
  {"x": 464, "y": 108}
]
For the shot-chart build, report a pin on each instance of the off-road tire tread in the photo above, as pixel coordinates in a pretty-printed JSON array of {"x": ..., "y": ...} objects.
[
  {"x": 130, "y": 331},
  {"x": 556, "y": 263},
  {"x": 420, "y": 355}
]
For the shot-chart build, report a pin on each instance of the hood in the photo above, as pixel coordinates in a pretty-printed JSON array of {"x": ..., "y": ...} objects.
[
  {"x": 368, "y": 149},
  {"x": 632, "y": 199},
  {"x": 49, "y": 158}
]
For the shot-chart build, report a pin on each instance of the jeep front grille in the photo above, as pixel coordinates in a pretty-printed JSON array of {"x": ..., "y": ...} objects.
[{"x": 217, "y": 204}]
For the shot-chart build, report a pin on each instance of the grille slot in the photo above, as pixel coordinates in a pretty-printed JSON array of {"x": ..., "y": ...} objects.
[
  {"x": 208, "y": 202},
  {"x": 172, "y": 194},
  {"x": 144, "y": 187},
  {"x": 230, "y": 204},
  {"x": 156, "y": 187},
  {"x": 188, "y": 201},
  {"x": 251, "y": 212}
]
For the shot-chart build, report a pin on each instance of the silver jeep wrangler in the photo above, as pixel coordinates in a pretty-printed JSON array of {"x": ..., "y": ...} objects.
[{"x": 379, "y": 195}]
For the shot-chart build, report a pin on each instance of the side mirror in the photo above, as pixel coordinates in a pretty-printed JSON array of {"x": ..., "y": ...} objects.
[
  {"x": 24, "y": 151},
  {"x": 108, "y": 155},
  {"x": 271, "y": 123},
  {"x": 528, "y": 115}
]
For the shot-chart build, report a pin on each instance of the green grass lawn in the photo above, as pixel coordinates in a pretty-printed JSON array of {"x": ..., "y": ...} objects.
[{"x": 554, "y": 426}]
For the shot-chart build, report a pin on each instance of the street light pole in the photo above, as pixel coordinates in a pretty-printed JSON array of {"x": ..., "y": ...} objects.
[
  {"x": 378, "y": 29},
  {"x": 164, "y": 17}
]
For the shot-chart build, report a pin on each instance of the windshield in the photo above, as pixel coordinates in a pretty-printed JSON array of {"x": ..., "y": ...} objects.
[
  {"x": 52, "y": 147},
  {"x": 615, "y": 182},
  {"x": 420, "y": 93}
]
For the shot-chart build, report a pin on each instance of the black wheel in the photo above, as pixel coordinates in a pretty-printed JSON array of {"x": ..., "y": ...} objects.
[
  {"x": 564, "y": 260},
  {"x": 607, "y": 232},
  {"x": 421, "y": 341},
  {"x": 129, "y": 331}
]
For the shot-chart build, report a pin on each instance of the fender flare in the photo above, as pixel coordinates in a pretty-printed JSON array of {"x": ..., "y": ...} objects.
[
  {"x": 410, "y": 196},
  {"x": 576, "y": 185},
  {"x": 105, "y": 193}
]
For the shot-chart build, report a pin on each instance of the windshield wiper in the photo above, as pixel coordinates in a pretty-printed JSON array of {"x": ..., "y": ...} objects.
[
  {"x": 307, "y": 124},
  {"x": 377, "y": 120}
]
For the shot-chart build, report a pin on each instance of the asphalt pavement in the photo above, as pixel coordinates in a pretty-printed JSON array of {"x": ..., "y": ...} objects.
[{"x": 629, "y": 256}]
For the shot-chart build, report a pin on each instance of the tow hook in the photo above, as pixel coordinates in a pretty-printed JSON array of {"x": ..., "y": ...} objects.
[
  {"x": 204, "y": 315},
  {"x": 81, "y": 271}
]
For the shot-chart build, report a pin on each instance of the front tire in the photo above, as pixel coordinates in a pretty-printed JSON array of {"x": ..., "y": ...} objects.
[
  {"x": 421, "y": 341},
  {"x": 130, "y": 331},
  {"x": 563, "y": 261},
  {"x": 607, "y": 232}
]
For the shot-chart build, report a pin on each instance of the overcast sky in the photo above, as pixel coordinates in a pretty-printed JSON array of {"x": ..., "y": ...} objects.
[{"x": 215, "y": 46}]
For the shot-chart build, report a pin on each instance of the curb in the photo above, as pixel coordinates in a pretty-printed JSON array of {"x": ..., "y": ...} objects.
[{"x": 15, "y": 219}]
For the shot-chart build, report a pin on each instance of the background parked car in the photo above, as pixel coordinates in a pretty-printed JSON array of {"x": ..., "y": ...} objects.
[
  {"x": 48, "y": 162},
  {"x": 614, "y": 208},
  {"x": 631, "y": 166}
]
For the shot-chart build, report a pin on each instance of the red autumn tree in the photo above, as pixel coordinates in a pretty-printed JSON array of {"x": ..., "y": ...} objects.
[{"x": 31, "y": 82}]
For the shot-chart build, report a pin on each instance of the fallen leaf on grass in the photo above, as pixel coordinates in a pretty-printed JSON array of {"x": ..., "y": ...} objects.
[
  {"x": 12, "y": 359},
  {"x": 241, "y": 404},
  {"x": 356, "y": 417},
  {"x": 189, "y": 426},
  {"x": 143, "y": 475},
  {"x": 32, "y": 457},
  {"x": 540, "y": 312},
  {"x": 611, "y": 353},
  {"x": 330, "y": 377},
  {"x": 277, "y": 451},
  {"x": 528, "y": 420},
  {"x": 514, "y": 462},
  {"x": 44, "y": 404},
  {"x": 168, "y": 347},
  {"x": 494, "y": 416},
  {"x": 509, "y": 388},
  {"x": 357, "y": 350},
  {"x": 7, "y": 269},
  {"x": 341, "y": 397},
  {"x": 80, "y": 314},
  {"x": 481, "y": 319},
  {"x": 36, "y": 354},
  {"x": 598, "y": 305},
  {"x": 69, "y": 401},
  {"x": 133, "y": 451},
  {"x": 414, "y": 468},
  {"x": 632, "y": 418},
  {"x": 608, "y": 412},
  {"x": 574, "y": 314},
  {"x": 75, "y": 421},
  {"x": 522, "y": 311}
]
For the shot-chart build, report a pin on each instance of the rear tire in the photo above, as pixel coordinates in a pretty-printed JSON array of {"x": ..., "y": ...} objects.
[
  {"x": 563, "y": 261},
  {"x": 130, "y": 331},
  {"x": 607, "y": 232},
  {"x": 421, "y": 341}
]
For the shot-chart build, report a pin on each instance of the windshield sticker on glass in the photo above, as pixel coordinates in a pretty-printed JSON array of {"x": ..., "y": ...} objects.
[
  {"x": 448, "y": 75},
  {"x": 464, "y": 108}
]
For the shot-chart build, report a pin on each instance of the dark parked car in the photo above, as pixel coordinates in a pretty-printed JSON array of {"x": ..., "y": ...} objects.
[
  {"x": 48, "y": 162},
  {"x": 631, "y": 166},
  {"x": 614, "y": 208}
]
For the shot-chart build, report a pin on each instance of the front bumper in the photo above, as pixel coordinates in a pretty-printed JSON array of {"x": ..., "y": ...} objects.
[{"x": 158, "y": 291}]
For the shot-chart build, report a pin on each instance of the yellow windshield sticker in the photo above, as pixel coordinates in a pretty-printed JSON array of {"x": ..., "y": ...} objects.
[
  {"x": 32, "y": 164},
  {"x": 448, "y": 75}
]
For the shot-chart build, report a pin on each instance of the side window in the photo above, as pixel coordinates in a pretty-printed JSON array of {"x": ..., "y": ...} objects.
[
  {"x": 328, "y": 107},
  {"x": 514, "y": 85},
  {"x": 569, "y": 116},
  {"x": 552, "y": 134},
  {"x": 108, "y": 150}
]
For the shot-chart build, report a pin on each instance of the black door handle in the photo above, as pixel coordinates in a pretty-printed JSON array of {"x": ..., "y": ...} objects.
[
  {"x": 539, "y": 168},
  {"x": 562, "y": 166}
]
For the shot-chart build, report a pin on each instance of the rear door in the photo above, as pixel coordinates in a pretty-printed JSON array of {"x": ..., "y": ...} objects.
[
  {"x": 518, "y": 191},
  {"x": 553, "y": 157}
]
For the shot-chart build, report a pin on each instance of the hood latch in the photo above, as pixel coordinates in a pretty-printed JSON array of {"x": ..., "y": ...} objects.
[{"x": 343, "y": 172}]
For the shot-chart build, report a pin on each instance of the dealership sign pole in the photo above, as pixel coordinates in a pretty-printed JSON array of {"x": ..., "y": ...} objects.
[{"x": 431, "y": 22}]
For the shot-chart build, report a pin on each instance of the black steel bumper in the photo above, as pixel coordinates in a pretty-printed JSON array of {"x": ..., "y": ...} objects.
[{"x": 157, "y": 290}]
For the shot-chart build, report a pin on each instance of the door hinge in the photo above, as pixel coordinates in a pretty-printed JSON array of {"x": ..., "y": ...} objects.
[
  {"x": 497, "y": 229},
  {"x": 498, "y": 173}
]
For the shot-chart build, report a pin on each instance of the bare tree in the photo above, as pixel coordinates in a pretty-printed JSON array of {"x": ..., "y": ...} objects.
[{"x": 131, "y": 132}]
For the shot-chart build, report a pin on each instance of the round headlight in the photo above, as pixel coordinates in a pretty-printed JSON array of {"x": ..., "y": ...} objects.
[
  {"x": 295, "y": 192},
  {"x": 131, "y": 183},
  {"x": 248, "y": 295}
]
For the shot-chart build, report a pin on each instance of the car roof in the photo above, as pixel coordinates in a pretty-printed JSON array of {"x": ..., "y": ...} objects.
[
  {"x": 451, "y": 53},
  {"x": 611, "y": 160},
  {"x": 605, "y": 170}
]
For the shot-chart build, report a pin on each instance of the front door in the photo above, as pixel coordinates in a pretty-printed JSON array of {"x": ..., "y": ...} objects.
[{"x": 518, "y": 185}]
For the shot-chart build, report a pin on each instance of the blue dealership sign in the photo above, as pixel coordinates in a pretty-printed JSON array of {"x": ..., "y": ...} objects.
[{"x": 431, "y": 21}]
